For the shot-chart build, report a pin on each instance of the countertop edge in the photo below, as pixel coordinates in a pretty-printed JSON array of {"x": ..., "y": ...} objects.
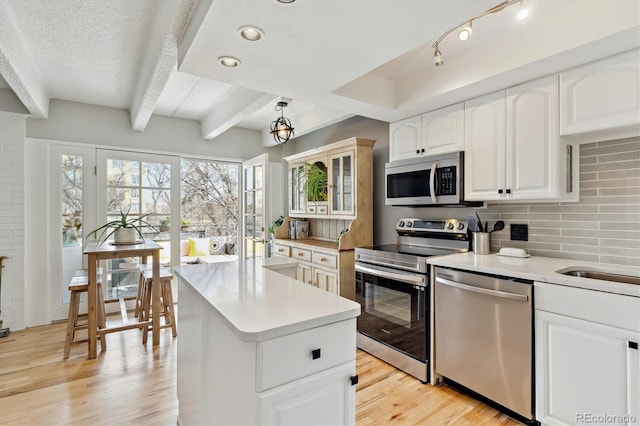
[{"x": 537, "y": 268}]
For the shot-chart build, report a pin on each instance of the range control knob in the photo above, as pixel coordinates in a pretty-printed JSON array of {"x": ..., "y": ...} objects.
[
  {"x": 401, "y": 223},
  {"x": 450, "y": 225},
  {"x": 409, "y": 224},
  {"x": 461, "y": 226}
]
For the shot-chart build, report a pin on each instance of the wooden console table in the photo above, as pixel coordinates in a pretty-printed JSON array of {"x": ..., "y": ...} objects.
[{"x": 107, "y": 250}]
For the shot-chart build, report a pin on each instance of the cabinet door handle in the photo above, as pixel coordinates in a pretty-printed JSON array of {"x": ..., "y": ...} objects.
[
  {"x": 633, "y": 345},
  {"x": 508, "y": 191},
  {"x": 422, "y": 150},
  {"x": 354, "y": 380},
  {"x": 315, "y": 354},
  {"x": 500, "y": 191}
]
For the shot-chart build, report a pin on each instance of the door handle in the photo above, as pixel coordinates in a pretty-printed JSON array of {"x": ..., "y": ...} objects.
[
  {"x": 412, "y": 279},
  {"x": 432, "y": 180},
  {"x": 485, "y": 291}
]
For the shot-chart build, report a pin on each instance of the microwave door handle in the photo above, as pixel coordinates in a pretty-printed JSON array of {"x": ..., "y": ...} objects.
[{"x": 432, "y": 179}]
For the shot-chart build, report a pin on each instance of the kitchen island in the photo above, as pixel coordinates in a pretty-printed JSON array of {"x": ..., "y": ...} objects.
[{"x": 258, "y": 347}]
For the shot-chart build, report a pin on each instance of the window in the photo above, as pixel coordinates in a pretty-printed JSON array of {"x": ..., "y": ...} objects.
[{"x": 209, "y": 200}]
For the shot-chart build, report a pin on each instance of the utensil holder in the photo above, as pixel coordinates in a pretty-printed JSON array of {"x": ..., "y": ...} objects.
[{"x": 482, "y": 243}]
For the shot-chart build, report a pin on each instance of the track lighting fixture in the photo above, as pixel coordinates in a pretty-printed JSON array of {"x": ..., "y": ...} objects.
[
  {"x": 466, "y": 31},
  {"x": 281, "y": 128}
]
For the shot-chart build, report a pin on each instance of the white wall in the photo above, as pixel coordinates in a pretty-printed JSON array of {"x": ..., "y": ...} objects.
[
  {"x": 76, "y": 122},
  {"x": 12, "y": 223}
]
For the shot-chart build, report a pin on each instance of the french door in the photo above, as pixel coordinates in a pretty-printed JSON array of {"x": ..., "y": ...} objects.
[
  {"x": 72, "y": 202},
  {"x": 138, "y": 184},
  {"x": 255, "y": 206}
]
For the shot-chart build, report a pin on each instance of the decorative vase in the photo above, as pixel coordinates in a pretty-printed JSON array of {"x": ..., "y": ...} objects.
[{"x": 125, "y": 236}]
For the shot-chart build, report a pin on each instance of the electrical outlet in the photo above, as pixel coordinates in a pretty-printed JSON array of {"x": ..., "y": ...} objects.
[{"x": 519, "y": 232}]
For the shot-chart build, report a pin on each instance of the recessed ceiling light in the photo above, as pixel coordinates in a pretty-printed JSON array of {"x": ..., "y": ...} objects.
[
  {"x": 229, "y": 61},
  {"x": 251, "y": 33}
]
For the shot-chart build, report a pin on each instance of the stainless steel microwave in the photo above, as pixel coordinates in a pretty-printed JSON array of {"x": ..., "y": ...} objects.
[{"x": 426, "y": 181}]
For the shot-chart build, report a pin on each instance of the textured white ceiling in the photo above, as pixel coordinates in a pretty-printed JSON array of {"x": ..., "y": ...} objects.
[
  {"x": 85, "y": 50},
  {"x": 332, "y": 58}
]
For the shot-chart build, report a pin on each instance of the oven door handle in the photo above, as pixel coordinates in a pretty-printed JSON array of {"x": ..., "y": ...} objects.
[
  {"x": 417, "y": 280},
  {"x": 432, "y": 179},
  {"x": 485, "y": 291}
]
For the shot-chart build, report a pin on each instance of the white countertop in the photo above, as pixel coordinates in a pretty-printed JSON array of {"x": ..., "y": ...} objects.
[
  {"x": 544, "y": 269},
  {"x": 258, "y": 302}
]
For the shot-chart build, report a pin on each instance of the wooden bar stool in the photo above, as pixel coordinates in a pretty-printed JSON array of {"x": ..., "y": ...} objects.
[
  {"x": 80, "y": 284},
  {"x": 166, "y": 300}
]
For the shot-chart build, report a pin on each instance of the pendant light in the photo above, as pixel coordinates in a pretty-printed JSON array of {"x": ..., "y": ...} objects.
[{"x": 281, "y": 128}]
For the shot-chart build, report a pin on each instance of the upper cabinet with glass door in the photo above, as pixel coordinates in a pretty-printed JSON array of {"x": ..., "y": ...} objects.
[
  {"x": 322, "y": 181},
  {"x": 341, "y": 185}
]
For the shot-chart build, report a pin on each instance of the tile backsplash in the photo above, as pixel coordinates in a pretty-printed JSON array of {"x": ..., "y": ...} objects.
[{"x": 604, "y": 226}]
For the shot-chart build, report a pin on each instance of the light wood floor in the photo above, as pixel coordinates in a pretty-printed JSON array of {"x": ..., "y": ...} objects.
[{"x": 134, "y": 384}]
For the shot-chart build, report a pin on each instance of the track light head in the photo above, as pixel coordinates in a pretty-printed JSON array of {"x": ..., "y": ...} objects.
[
  {"x": 437, "y": 57},
  {"x": 465, "y": 33}
]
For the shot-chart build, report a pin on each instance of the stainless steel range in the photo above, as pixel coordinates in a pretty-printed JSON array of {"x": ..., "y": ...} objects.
[{"x": 392, "y": 286}]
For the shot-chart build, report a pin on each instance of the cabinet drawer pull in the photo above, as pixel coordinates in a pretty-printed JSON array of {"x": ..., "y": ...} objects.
[
  {"x": 300, "y": 254},
  {"x": 633, "y": 345},
  {"x": 323, "y": 259},
  {"x": 354, "y": 380},
  {"x": 315, "y": 354}
]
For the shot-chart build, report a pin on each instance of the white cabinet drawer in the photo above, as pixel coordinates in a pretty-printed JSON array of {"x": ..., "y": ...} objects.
[
  {"x": 301, "y": 254},
  {"x": 281, "y": 250},
  {"x": 325, "y": 259},
  {"x": 287, "y": 358},
  {"x": 615, "y": 310}
]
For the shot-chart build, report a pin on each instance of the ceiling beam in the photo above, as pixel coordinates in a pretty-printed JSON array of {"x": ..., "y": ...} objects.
[
  {"x": 161, "y": 58},
  {"x": 241, "y": 105},
  {"x": 17, "y": 69}
]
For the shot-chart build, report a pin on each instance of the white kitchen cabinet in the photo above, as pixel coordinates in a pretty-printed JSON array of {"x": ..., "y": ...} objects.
[
  {"x": 405, "y": 138},
  {"x": 325, "y": 398},
  {"x": 601, "y": 96},
  {"x": 587, "y": 359},
  {"x": 440, "y": 131},
  {"x": 485, "y": 147},
  {"x": 443, "y": 130},
  {"x": 512, "y": 151}
]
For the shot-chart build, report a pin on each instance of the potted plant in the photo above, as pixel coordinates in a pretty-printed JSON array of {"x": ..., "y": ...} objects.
[
  {"x": 165, "y": 224},
  {"x": 277, "y": 222},
  {"x": 125, "y": 230},
  {"x": 315, "y": 182},
  {"x": 184, "y": 224}
]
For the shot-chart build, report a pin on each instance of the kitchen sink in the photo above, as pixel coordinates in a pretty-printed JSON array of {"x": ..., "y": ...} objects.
[{"x": 600, "y": 275}]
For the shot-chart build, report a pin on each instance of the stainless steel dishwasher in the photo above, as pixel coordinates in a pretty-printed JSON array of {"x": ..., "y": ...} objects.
[{"x": 483, "y": 336}]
